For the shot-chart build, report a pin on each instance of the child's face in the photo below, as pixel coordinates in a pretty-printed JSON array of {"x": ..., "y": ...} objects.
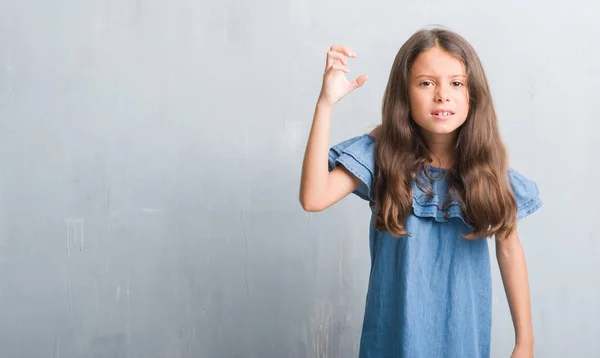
[{"x": 439, "y": 98}]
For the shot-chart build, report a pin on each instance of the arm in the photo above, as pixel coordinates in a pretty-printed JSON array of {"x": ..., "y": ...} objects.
[
  {"x": 513, "y": 269},
  {"x": 319, "y": 189}
]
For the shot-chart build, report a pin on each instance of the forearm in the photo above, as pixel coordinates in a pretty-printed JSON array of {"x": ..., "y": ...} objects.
[
  {"x": 513, "y": 269},
  {"x": 314, "y": 167}
]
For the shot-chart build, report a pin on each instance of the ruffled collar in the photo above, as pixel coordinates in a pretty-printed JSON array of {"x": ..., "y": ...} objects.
[{"x": 433, "y": 206}]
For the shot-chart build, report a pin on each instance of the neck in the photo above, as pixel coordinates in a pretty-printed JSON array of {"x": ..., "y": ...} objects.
[{"x": 441, "y": 147}]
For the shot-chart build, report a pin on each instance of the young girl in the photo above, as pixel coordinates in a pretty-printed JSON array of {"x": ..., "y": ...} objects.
[{"x": 436, "y": 175}]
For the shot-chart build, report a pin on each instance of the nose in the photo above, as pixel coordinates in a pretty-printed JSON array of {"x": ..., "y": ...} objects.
[{"x": 441, "y": 95}]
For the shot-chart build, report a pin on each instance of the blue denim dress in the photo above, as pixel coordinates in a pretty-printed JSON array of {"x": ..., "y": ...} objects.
[{"x": 430, "y": 293}]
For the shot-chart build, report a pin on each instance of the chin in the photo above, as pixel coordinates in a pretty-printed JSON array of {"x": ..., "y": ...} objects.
[{"x": 441, "y": 128}]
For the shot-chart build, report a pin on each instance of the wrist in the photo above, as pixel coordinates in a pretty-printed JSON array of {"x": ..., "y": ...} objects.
[
  {"x": 525, "y": 340},
  {"x": 324, "y": 104}
]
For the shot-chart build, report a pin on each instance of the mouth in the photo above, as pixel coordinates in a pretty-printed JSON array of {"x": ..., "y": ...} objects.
[{"x": 442, "y": 114}]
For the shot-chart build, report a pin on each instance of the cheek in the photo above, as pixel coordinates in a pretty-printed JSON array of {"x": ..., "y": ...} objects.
[
  {"x": 416, "y": 102},
  {"x": 463, "y": 101}
]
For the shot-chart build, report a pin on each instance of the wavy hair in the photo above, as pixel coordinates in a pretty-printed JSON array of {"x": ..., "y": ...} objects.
[{"x": 478, "y": 178}]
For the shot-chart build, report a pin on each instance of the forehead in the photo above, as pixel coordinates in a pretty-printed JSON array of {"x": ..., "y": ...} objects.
[{"x": 437, "y": 62}]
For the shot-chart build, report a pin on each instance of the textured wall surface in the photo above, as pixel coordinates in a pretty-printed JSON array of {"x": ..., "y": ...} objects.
[{"x": 150, "y": 157}]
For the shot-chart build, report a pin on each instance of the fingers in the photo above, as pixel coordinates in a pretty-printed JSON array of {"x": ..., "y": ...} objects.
[
  {"x": 338, "y": 67},
  {"x": 343, "y": 49},
  {"x": 335, "y": 57},
  {"x": 336, "y": 61},
  {"x": 336, "y": 54}
]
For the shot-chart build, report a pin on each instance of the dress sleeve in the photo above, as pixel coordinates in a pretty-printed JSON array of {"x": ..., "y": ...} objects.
[
  {"x": 526, "y": 192},
  {"x": 357, "y": 155}
]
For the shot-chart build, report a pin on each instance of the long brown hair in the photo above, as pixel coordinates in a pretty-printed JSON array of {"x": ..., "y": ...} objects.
[{"x": 478, "y": 177}]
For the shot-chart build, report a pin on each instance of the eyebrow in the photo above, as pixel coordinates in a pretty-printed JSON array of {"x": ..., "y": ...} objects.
[{"x": 431, "y": 76}]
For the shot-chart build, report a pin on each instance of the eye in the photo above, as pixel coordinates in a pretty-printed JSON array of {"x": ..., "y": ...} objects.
[
  {"x": 457, "y": 84},
  {"x": 426, "y": 83}
]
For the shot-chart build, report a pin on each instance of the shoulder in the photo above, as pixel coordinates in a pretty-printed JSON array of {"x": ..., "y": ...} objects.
[
  {"x": 360, "y": 147},
  {"x": 376, "y": 132},
  {"x": 526, "y": 193},
  {"x": 356, "y": 154}
]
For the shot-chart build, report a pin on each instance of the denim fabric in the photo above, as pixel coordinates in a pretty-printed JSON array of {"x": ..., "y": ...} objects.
[{"x": 429, "y": 293}]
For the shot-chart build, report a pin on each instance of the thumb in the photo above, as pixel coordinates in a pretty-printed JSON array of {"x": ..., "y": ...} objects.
[{"x": 359, "y": 81}]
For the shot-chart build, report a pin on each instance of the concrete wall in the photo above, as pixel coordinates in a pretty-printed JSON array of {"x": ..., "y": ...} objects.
[{"x": 150, "y": 157}]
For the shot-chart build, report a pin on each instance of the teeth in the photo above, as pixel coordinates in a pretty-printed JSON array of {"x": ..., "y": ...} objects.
[{"x": 443, "y": 113}]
